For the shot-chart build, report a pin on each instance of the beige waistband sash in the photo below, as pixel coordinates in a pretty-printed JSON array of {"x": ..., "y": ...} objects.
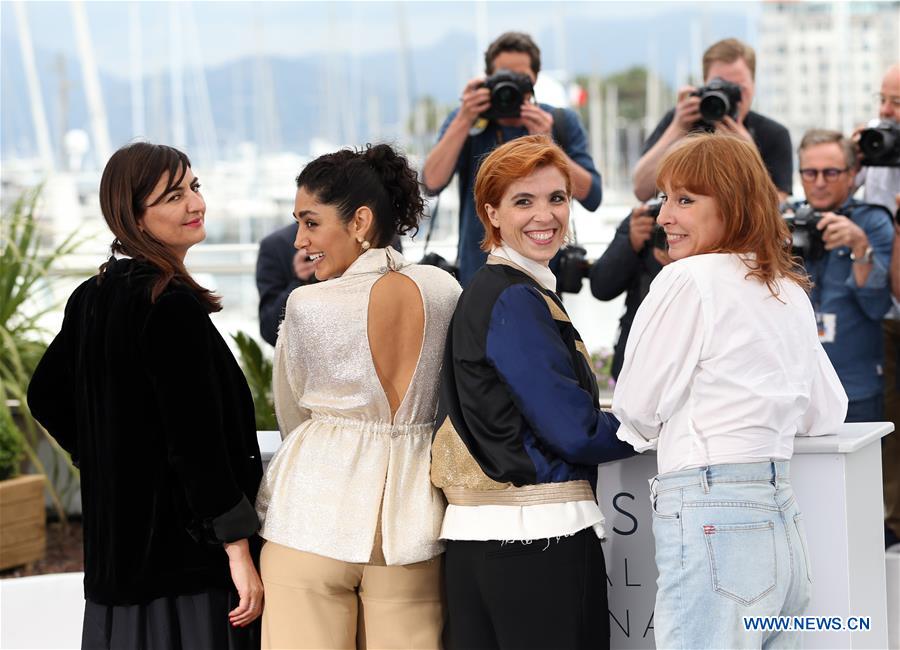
[{"x": 527, "y": 495}]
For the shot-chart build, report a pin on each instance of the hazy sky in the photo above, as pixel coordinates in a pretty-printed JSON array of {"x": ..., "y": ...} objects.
[{"x": 215, "y": 32}]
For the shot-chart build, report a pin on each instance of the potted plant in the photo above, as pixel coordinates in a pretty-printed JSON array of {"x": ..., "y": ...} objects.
[
  {"x": 24, "y": 266},
  {"x": 23, "y": 535}
]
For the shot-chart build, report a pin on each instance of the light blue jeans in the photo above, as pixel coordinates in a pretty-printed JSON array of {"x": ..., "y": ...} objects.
[{"x": 730, "y": 543}]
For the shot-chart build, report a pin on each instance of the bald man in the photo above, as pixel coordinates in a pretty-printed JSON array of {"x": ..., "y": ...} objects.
[{"x": 883, "y": 183}]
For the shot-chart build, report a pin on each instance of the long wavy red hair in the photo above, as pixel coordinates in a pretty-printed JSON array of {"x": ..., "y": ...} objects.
[{"x": 731, "y": 171}]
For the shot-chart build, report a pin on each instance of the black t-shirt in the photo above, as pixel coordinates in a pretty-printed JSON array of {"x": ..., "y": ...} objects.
[{"x": 772, "y": 140}]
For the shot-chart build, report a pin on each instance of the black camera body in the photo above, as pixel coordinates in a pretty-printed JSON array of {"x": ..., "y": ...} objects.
[
  {"x": 718, "y": 98},
  {"x": 433, "y": 259},
  {"x": 659, "y": 237},
  {"x": 806, "y": 238},
  {"x": 572, "y": 267},
  {"x": 508, "y": 90},
  {"x": 880, "y": 145}
]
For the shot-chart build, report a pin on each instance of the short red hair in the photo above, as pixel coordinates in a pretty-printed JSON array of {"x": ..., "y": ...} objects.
[
  {"x": 507, "y": 164},
  {"x": 730, "y": 170}
]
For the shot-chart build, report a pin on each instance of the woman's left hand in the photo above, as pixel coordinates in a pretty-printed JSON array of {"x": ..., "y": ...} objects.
[{"x": 247, "y": 582}]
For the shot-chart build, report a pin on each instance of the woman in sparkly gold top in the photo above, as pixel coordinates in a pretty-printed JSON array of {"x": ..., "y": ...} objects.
[{"x": 349, "y": 513}]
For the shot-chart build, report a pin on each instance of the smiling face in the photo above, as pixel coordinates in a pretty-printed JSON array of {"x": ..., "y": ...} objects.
[
  {"x": 175, "y": 218},
  {"x": 692, "y": 222},
  {"x": 533, "y": 215},
  {"x": 330, "y": 242}
]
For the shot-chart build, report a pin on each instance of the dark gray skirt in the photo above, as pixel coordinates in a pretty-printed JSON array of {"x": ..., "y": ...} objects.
[{"x": 194, "y": 621}]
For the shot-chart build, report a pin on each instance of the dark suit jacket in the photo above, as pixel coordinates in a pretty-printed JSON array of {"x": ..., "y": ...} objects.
[
  {"x": 621, "y": 269},
  {"x": 275, "y": 279},
  {"x": 153, "y": 408}
]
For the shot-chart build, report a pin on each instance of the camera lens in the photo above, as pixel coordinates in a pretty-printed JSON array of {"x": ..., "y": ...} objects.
[
  {"x": 714, "y": 106},
  {"x": 506, "y": 96},
  {"x": 873, "y": 142}
]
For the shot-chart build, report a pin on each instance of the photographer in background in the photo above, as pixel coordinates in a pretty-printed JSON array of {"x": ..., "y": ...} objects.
[
  {"x": 734, "y": 62},
  {"x": 280, "y": 268},
  {"x": 882, "y": 181},
  {"x": 486, "y": 119},
  {"x": 882, "y": 186},
  {"x": 851, "y": 293},
  {"x": 633, "y": 258}
]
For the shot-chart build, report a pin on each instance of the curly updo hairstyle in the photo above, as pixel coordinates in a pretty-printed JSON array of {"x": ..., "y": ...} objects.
[{"x": 376, "y": 177}]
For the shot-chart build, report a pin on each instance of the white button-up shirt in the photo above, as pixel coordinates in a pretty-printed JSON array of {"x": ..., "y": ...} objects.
[{"x": 717, "y": 370}]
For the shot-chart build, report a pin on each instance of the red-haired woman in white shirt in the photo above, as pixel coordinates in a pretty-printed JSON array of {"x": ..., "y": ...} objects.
[{"x": 723, "y": 367}]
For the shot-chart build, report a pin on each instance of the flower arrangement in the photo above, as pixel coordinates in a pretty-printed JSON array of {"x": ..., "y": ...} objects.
[{"x": 601, "y": 364}]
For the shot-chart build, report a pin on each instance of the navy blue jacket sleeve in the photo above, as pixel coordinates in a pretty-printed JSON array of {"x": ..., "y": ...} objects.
[
  {"x": 614, "y": 272},
  {"x": 525, "y": 348}
]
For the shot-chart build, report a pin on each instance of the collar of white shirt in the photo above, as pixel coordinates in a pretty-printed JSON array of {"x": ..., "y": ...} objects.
[{"x": 538, "y": 271}]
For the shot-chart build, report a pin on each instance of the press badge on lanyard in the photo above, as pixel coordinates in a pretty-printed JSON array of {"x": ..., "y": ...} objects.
[{"x": 827, "y": 326}]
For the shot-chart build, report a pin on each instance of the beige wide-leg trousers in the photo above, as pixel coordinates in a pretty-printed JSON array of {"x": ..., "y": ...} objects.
[{"x": 317, "y": 602}]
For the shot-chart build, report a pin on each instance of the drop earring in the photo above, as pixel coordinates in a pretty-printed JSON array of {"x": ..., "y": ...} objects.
[{"x": 364, "y": 243}]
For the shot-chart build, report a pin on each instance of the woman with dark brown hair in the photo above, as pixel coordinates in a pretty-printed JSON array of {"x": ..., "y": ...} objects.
[
  {"x": 723, "y": 367},
  {"x": 141, "y": 389}
]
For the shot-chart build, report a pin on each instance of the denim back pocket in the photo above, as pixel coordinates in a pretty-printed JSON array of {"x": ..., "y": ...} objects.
[{"x": 742, "y": 559}]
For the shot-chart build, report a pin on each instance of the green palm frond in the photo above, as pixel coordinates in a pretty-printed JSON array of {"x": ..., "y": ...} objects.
[
  {"x": 24, "y": 268},
  {"x": 258, "y": 371}
]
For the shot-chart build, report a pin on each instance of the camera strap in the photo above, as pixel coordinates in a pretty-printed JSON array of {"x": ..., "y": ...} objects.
[{"x": 431, "y": 218}]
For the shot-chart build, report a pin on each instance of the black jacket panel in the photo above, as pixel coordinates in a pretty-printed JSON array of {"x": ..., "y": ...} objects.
[{"x": 153, "y": 407}]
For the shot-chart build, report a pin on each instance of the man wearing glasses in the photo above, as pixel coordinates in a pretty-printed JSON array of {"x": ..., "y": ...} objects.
[
  {"x": 882, "y": 184},
  {"x": 851, "y": 292}
]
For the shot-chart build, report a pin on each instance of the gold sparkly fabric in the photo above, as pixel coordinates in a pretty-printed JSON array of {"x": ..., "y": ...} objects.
[
  {"x": 453, "y": 465},
  {"x": 342, "y": 458}
]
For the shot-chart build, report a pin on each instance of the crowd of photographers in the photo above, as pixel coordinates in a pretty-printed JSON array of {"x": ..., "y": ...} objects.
[{"x": 847, "y": 245}]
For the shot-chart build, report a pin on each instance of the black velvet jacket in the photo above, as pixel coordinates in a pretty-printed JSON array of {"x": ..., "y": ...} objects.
[{"x": 153, "y": 408}]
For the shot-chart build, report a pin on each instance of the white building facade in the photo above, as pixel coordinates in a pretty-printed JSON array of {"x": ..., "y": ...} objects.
[{"x": 820, "y": 64}]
